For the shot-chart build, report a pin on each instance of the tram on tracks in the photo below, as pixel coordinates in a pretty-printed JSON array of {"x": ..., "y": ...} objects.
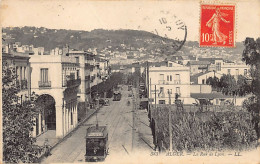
[
  {"x": 117, "y": 96},
  {"x": 96, "y": 143}
]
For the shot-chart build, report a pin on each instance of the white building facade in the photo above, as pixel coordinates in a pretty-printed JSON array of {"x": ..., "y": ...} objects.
[
  {"x": 165, "y": 82},
  {"x": 55, "y": 79}
]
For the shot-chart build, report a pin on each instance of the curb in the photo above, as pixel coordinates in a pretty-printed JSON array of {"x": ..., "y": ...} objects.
[{"x": 67, "y": 135}]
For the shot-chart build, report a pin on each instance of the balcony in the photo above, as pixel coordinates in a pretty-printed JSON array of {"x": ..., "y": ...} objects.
[
  {"x": 44, "y": 84},
  {"x": 161, "y": 81},
  {"x": 177, "y": 81},
  {"x": 24, "y": 84}
]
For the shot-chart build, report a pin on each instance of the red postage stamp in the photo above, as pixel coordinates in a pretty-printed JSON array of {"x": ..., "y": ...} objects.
[{"x": 217, "y": 25}]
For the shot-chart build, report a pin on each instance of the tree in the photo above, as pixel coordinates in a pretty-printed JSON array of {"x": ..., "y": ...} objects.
[
  {"x": 18, "y": 143},
  {"x": 213, "y": 81},
  {"x": 251, "y": 55},
  {"x": 243, "y": 86},
  {"x": 228, "y": 85}
]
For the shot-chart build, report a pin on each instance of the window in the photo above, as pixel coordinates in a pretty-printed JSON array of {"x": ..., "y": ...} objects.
[
  {"x": 177, "y": 81},
  {"x": 228, "y": 71},
  {"x": 77, "y": 74},
  {"x": 169, "y": 91},
  {"x": 177, "y": 76},
  {"x": 217, "y": 101},
  {"x": 21, "y": 73},
  {"x": 44, "y": 74},
  {"x": 77, "y": 59},
  {"x": 170, "y": 64},
  {"x": 237, "y": 72},
  {"x": 161, "y": 76},
  {"x": 218, "y": 66},
  {"x": 178, "y": 90},
  {"x": 203, "y": 81},
  {"x": 170, "y": 77},
  {"x": 245, "y": 72},
  {"x": 71, "y": 118},
  {"x": 24, "y": 73},
  {"x": 161, "y": 101}
]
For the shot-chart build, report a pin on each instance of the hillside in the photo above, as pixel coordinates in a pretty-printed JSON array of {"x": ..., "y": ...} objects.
[
  {"x": 100, "y": 39},
  {"x": 107, "y": 41}
]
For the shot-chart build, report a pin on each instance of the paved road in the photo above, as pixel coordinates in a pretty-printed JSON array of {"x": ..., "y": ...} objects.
[{"x": 118, "y": 117}]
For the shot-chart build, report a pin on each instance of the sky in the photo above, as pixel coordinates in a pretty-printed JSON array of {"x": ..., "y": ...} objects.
[{"x": 143, "y": 15}]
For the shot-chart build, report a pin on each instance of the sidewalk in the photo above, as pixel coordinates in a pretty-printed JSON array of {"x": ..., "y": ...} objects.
[
  {"x": 51, "y": 134},
  {"x": 143, "y": 129}
]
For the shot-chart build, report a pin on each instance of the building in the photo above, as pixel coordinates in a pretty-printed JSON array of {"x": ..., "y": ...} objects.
[
  {"x": 198, "y": 66},
  {"x": 217, "y": 98},
  {"x": 225, "y": 67},
  {"x": 84, "y": 72},
  {"x": 201, "y": 78},
  {"x": 103, "y": 66},
  {"x": 56, "y": 81},
  {"x": 166, "y": 81},
  {"x": 21, "y": 64},
  {"x": 234, "y": 69}
]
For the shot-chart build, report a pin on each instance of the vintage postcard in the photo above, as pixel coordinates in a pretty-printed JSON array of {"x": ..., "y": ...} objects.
[{"x": 130, "y": 82}]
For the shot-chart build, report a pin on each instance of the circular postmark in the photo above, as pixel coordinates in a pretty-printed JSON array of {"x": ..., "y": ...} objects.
[{"x": 170, "y": 28}]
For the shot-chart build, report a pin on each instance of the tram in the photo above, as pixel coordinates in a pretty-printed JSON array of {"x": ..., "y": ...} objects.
[
  {"x": 117, "y": 96},
  {"x": 96, "y": 143}
]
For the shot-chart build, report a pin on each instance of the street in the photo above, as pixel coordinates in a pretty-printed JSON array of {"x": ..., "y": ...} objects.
[{"x": 122, "y": 139}]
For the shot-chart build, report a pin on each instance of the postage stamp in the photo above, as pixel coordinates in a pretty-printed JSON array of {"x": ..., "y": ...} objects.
[{"x": 217, "y": 25}]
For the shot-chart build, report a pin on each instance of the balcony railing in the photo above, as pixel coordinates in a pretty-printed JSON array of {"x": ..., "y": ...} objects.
[
  {"x": 177, "y": 81},
  {"x": 44, "y": 84},
  {"x": 161, "y": 81}
]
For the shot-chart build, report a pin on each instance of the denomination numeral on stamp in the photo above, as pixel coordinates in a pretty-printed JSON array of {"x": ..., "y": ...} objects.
[{"x": 206, "y": 37}]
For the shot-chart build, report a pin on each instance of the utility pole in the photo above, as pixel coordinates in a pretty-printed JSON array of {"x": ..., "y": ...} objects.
[
  {"x": 133, "y": 115},
  {"x": 170, "y": 119},
  {"x": 155, "y": 96}
]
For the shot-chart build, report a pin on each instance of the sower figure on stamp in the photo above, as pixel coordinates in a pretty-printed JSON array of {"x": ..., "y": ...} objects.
[{"x": 214, "y": 22}]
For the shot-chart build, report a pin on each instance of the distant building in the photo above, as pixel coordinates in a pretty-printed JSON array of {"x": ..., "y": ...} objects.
[
  {"x": 201, "y": 78},
  {"x": 198, "y": 66},
  {"x": 223, "y": 67},
  {"x": 235, "y": 69},
  {"x": 217, "y": 98},
  {"x": 174, "y": 80},
  {"x": 21, "y": 64}
]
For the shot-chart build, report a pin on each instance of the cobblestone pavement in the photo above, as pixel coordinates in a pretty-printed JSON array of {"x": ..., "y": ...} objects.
[{"x": 122, "y": 139}]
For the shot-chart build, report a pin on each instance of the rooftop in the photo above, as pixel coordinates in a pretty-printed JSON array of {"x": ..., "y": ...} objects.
[
  {"x": 212, "y": 95},
  {"x": 198, "y": 63}
]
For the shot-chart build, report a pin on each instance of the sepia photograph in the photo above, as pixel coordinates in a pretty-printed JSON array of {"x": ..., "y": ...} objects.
[{"x": 125, "y": 82}]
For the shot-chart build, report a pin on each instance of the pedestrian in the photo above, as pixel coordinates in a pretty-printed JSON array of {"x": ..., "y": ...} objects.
[{"x": 47, "y": 148}]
